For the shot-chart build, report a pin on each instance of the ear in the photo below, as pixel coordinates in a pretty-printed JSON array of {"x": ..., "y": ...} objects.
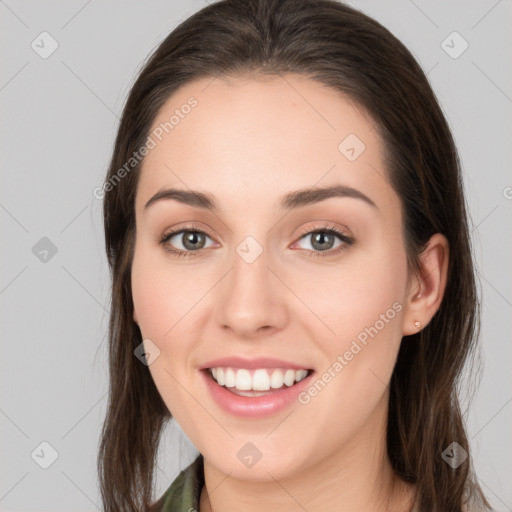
[
  {"x": 135, "y": 317},
  {"x": 426, "y": 290}
]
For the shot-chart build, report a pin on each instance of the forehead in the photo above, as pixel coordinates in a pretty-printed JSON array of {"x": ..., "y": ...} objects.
[{"x": 261, "y": 138}]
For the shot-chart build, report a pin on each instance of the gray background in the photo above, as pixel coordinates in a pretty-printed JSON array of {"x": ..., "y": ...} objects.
[{"x": 59, "y": 117}]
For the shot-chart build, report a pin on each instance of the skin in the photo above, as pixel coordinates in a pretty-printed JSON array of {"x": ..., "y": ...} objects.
[{"x": 248, "y": 142}]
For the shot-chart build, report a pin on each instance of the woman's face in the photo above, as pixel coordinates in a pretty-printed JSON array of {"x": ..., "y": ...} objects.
[{"x": 262, "y": 281}]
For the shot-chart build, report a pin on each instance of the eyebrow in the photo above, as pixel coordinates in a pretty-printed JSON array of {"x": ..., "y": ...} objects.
[{"x": 292, "y": 200}]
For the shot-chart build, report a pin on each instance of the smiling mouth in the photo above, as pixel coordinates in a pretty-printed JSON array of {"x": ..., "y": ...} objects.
[{"x": 256, "y": 382}]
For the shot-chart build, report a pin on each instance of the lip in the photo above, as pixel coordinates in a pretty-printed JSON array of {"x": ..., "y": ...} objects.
[
  {"x": 257, "y": 406},
  {"x": 259, "y": 362}
]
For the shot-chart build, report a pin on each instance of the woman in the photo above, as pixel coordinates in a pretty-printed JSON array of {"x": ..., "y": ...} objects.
[{"x": 292, "y": 273}]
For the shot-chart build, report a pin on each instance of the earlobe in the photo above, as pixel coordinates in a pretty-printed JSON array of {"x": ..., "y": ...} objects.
[
  {"x": 135, "y": 317},
  {"x": 427, "y": 288}
]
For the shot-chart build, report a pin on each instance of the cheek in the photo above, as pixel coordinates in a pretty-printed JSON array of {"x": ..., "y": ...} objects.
[
  {"x": 160, "y": 306},
  {"x": 167, "y": 300},
  {"x": 367, "y": 291},
  {"x": 362, "y": 305},
  {"x": 148, "y": 292},
  {"x": 157, "y": 293}
]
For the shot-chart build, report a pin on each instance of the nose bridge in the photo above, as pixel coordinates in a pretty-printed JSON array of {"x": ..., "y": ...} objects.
[{"x": 251, "y": 298}]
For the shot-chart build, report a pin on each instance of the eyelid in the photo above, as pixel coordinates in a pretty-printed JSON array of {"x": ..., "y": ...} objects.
[
  {"x": 187, "y": 226},
  {"x": 325, "y": 226}
]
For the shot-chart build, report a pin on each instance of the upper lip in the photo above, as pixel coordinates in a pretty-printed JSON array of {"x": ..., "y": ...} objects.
[{"x": 258, "y": 362}]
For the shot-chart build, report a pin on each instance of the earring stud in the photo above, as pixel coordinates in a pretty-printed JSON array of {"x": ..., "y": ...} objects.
[{"x": 417, "y": 324}]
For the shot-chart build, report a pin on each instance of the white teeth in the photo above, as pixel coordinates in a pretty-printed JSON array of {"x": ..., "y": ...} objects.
[
  {"x": 261, "y": 379},
  {"x": 230, "y": 378},
  {"x": 243, "y": 380},
  {"x": 277, "y": 379},
  {"x": 301, "y": 374},
  {"x": 289, "y": 377}
]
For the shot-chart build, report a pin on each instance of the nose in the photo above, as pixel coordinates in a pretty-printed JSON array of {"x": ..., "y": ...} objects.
[{"x": 252, "y": 298}]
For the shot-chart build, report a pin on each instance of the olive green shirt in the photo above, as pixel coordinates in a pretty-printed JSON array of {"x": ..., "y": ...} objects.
[{"x": 184, "y": 493}]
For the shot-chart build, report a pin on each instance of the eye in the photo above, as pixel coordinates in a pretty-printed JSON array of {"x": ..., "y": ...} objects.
[
  {"x": 323, "y": 240},
  {"x": 191, "y": 238}
]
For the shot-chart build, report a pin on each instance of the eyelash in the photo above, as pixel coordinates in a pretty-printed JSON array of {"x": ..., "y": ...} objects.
[{"x": 347, "y": 241}]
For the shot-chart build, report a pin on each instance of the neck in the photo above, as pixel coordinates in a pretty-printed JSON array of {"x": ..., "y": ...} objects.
[{"x": 356, "y": 476}]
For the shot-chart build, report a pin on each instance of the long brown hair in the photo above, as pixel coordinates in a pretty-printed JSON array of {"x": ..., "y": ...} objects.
[{"x": 343, "y": 48}]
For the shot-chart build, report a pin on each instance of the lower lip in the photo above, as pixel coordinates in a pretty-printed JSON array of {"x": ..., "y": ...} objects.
[{"x": 254, "y": 407}]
